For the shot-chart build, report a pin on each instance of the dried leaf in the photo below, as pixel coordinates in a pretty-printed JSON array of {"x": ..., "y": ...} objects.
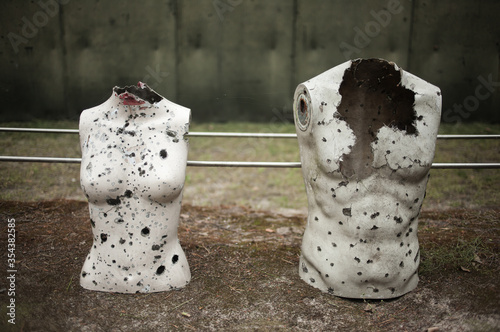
[
  {"x": 269, "y": 230},
  {"x": 464, "y": 269},
  {"x": 185, "y": 314}
]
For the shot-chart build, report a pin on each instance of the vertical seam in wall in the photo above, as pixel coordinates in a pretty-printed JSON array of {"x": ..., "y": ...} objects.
[
  {"x": 176, "y": 47},
  {"x": 410, "y": 42},
  {"x": 294, "y": 44},
  {"x": 62, "y": 40},
  {"x": 219, "y": 59}
]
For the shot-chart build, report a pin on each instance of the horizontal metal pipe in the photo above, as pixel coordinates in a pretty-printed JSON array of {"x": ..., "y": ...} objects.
[
  {"x": 240, "y": 135},
  {"x": 225, "y": 134},
  {"x": 41, "y": 159},
  {"x": 270, "y": 164},
  {"x": 40, "y": 130}
]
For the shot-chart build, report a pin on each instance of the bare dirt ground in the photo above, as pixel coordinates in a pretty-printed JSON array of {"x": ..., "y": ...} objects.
[{"x": 244, "y": 265}]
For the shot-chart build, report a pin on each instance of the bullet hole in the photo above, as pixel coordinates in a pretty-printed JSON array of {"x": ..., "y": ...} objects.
[
  {"x": 125, "y": 279},
  {"x": 369, "y": 261},
  {"x": 92, "y": 222},
  {"x": 104, "y": 237},
  {"x": 113, "y": 201},
  {"x": 312, "y": 280},
  {"x": 84, "y": 274},
  {"x": 119, "y": 220},
  {"x": 122, "y": 241},
  {"x": 145, "y": 231},
  {"x": 334, "y": 245},
  {"x": 160, "y": 270},
  {"x": 329, "y": 233},
  {"x": 374, "y": 228},
  {"x": 330, "y": 290},
  {"x": 392, "y": 289},
  {"x": 398, "y": 220},
  {"x": 323, "y": 139},
  {"x": 347, "y": 212},
  {"x": 163, "y": 154},
  {"x": 398, "y": 235},
  {"x": 357, "y": 259},
  {"x": 128, "y": 193},
  {"x": 343, "y": 183},
  {"x": 318, "y": 248},
  {"x": 416, "y": 200},
  {"x": 341, "y": 223},
  {"x": 316, "y": 218},
  {"x": 401, "y": 264},
  {"x": 139, "y": 284},
  {"x": 359, "y": 273},
  {"x": 375, "y": 215},
  {"x": 175, "y": 259},
  {"x": 155, "y": 247},
  {"x": 331, "y": 264}
]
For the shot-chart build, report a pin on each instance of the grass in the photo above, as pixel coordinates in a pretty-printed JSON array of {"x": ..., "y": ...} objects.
[
  {"x": 462, "y": 254},
  {"x": 256, "y": 187}
]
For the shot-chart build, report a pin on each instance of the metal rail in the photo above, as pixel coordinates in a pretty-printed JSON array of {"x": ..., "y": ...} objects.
[
  {"x": 199, "y": 163},
  {"x": 224, "y": 134},
  {"x": 271, "y": 164}
]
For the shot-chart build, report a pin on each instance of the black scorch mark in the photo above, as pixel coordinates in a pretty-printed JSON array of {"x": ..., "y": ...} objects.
[{"x": 372, "y": 97}]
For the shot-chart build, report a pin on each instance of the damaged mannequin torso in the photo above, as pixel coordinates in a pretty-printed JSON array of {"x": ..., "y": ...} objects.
[
  {"x": 366, "y": 132},
  {"x": 134, "y": 158}
]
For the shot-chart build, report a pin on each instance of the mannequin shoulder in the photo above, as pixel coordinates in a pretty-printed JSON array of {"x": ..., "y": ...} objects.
[{"x": 176, "y": 116}]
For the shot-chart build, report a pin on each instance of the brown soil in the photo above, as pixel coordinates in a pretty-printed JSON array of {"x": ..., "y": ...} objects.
[{"x": 245, "y": 276}]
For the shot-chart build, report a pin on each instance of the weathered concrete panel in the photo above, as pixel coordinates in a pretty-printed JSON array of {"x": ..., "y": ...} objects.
[
  {"x": 235, "y": 58},
  {"x": 455, "y": 45},
  {"x": 31, "y": 84},
  {"x": 198, "y": 73},
  {"x": 331, "y": 32},
  {"x": 109, "y": 44}
]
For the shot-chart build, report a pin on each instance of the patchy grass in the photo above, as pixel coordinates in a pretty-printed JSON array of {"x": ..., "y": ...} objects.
[
  {"x": 460, "y": 254},
  {"x": 256, "y": 187}
]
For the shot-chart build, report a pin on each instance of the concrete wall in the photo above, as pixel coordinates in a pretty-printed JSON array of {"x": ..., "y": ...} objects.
[{"x": 239, "y": 59}]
